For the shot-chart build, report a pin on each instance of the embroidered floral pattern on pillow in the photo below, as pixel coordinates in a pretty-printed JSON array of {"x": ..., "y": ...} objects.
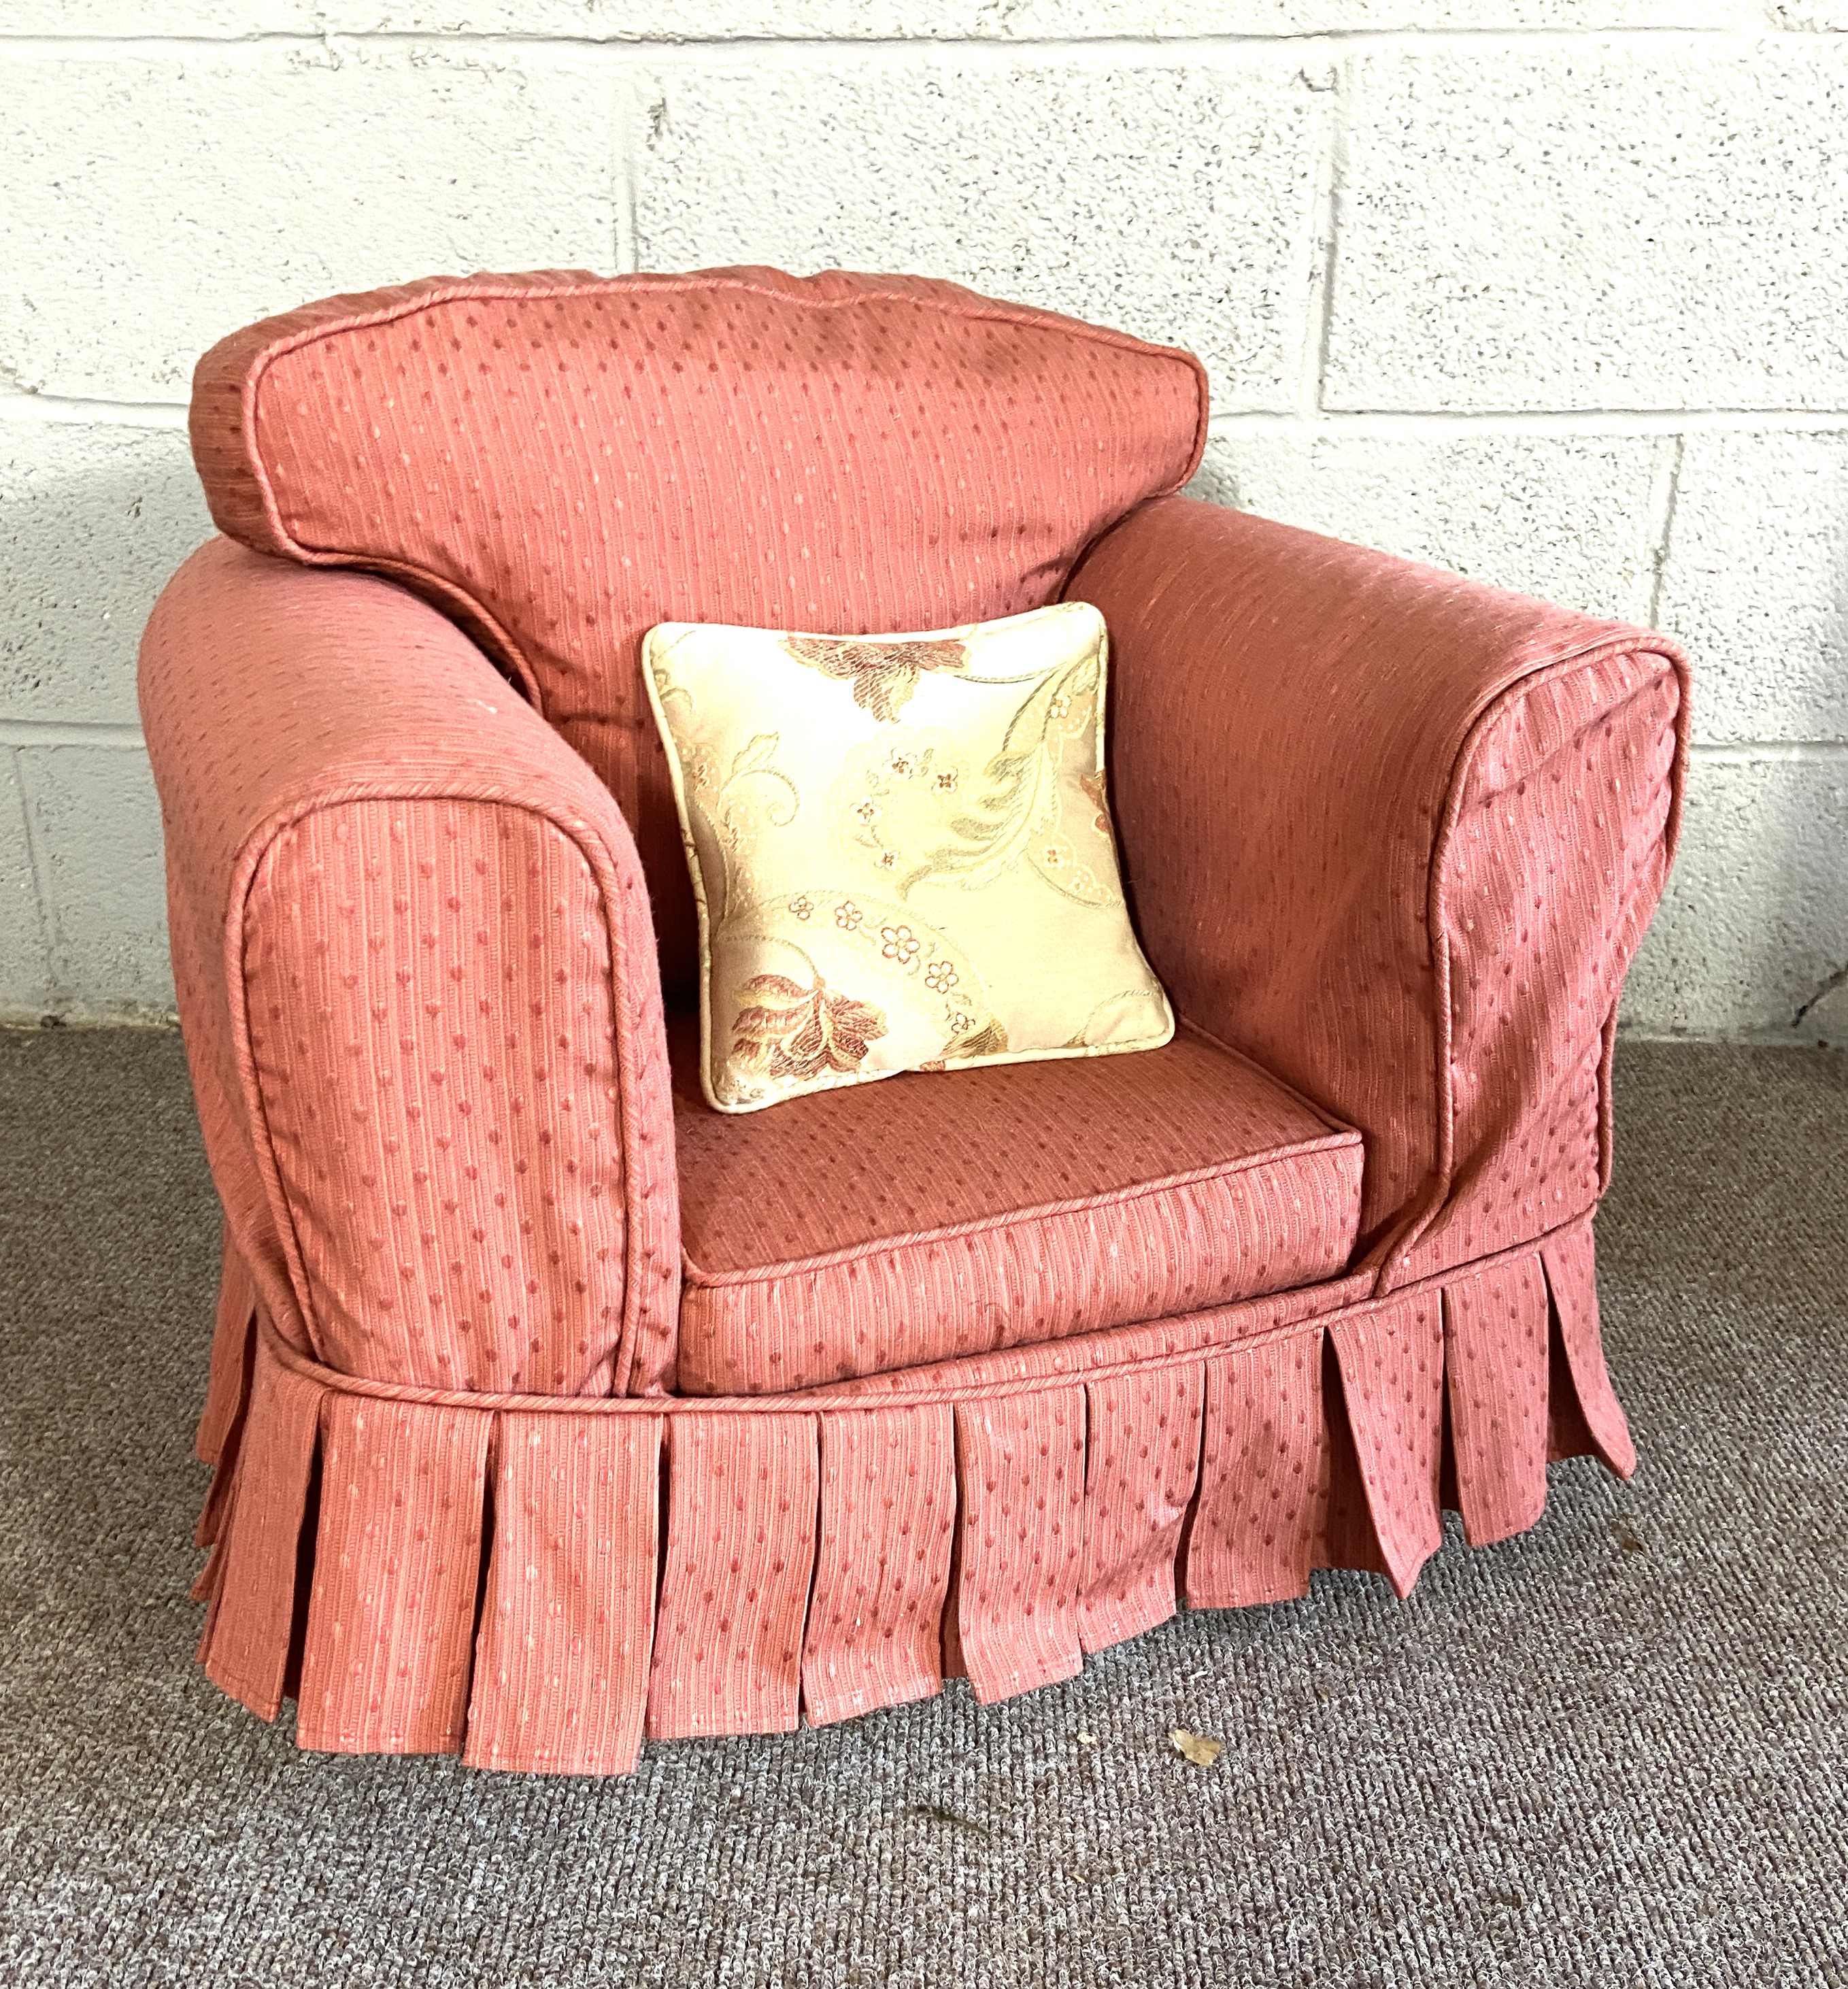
[
  {"x": 790, "y": 1031},
  {"x": 884, "y": 675}
]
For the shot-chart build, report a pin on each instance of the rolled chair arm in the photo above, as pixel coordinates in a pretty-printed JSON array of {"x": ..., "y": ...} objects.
[
  {"x": 1397, "y": 836},
  {"x": 418, "y": 982}
]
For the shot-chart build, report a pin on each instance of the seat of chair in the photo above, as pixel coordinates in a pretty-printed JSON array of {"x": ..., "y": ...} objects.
[{"x": 944, "y": 1213}]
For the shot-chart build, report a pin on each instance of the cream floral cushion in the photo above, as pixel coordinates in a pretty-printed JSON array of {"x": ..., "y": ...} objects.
[{"x": 901, "y": 850}]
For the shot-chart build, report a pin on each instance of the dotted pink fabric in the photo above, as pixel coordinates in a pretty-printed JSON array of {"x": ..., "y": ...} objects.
[
  {"x": 357, "y": 917},
  {"x": 397, "y": 1558},
  {"x": 1593, "y": 745},
  {"x": 744, "y": 1494},
  {"x": 934, "y": 1215},
  {"x": 1571, "y": 1277},
  {"x": 1263, "y": 1477},
  {"x": 1141, "y": 1461},
  {"x": 252, "y": 1576},
  {"x": 831, "y": 1552},
  {"x": 563, "y": 461},
  {"x": 230, "y": 1337},
  {"x": 568, "y": 1616},
  {"x": 1013, "y": 1620},
  {"x": 1495, "y": 1341},
  {"x": 1392, "y": 1377},
  {"x": 888, "y": 1514},
  {"x": 1396, "y": 835},
  {"x": 417, "y": 978}
]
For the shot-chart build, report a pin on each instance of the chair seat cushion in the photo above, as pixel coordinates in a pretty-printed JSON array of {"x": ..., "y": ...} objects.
[{"x": 933, "y": 1215}]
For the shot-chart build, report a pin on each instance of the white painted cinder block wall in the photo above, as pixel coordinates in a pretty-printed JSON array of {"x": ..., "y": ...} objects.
[{"x": 1552, "y": 292}]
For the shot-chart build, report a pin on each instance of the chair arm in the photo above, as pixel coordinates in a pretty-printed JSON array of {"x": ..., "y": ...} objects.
[
  {"x": 418, "y": 982},
  {"x": 1397, "y": 836}
]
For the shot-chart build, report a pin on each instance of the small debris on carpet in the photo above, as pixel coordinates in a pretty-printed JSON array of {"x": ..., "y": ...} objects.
[
  {"x": 937, "y": 1814},
  {"x": 1195, "y": 1747}
]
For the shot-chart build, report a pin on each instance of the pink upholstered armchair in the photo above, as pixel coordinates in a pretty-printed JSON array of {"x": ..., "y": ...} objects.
[{"x": 551, "y": 1408}]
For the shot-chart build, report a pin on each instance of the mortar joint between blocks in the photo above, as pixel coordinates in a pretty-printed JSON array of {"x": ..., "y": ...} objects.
[
  {"x": 57, "y": 993},
  {"x": 1666, "y": 496},
  {"x": 1325, "y": 211}
]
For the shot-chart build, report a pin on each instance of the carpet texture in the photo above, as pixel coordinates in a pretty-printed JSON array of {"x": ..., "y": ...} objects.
[{"x": 1610, "y": 1752}]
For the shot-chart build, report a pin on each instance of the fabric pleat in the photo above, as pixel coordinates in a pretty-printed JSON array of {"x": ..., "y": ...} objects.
[
  {"x": 742, "y": 1497},
  {"x": 209, "y": 1582},
  {"x": 397, "y": 1568},
  {"x": 227, "y": 1411},
  {"x": 1571, "y": 1275},
  {"x": 1252, "y": 1534},
  {"x": 230, "y": 1349},
  {"x": 1012, "y": 1622},
  {"x": 889, "y": 1507},
  {"x": 1141, "y": 1461},
  {"x": 1495, "y": 1369},
  {"x": 1345, "y": 1536},
  {"x": 245, "y": 1647},
  {"x": 561, "y": 1668},
  {"x": 1391, "y": 1372}
]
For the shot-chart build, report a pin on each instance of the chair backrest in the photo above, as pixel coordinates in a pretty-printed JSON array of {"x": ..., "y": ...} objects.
[{"x": 561, "y": 461}]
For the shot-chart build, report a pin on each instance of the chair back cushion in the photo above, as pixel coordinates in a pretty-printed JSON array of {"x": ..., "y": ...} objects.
[{"x": 562, "y": 461}]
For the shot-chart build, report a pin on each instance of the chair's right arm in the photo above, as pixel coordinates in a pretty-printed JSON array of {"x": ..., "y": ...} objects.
[
  {"x": 417, "y": 978},
  {"x": 1397, "y": 836}
]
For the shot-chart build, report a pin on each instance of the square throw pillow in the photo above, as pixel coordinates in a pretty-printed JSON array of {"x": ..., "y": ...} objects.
[{"x": 901, "y": 851}]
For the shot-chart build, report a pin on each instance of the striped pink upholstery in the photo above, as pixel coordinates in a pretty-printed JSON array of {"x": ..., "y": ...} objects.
[
  {"x": 1449, "y": 812},
  {"x": 887, "y": 1518},
  {"x": 549, "y": 1411},
  {"x": 829, "y": 1553},
  {"x": 1143, "y": 1461},
  {"x": 934, "y": 1215},
  {"x": 417, "y": 977},
  {"x": 576, "y": 1516}
]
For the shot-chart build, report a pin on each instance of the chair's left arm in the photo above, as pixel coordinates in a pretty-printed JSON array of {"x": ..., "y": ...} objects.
[{"x": 417, "y": 978}]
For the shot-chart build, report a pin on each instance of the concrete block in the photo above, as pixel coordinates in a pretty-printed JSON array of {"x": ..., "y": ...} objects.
[
  {"x": 998, "y": 20},
  {"x": 884, "y": 20},
  {"x": 1756, "y": 583},
  {"x": 1168, "y": 198},
  {"x": 1567, "y": 517},
  {"x": 1593, "y": 226},
  {"x": 1753, "y": 931},
  {"x": 97, "y": 829},
  {"x": 73, "y": 18},
  {"x": 26, "y": 981},
  {"x": 93, "y": 519},
  {"x": 150, "y": 202}
]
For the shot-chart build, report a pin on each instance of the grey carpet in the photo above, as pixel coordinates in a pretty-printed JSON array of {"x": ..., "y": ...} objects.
[{"x": 1612, "y": 1751}]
